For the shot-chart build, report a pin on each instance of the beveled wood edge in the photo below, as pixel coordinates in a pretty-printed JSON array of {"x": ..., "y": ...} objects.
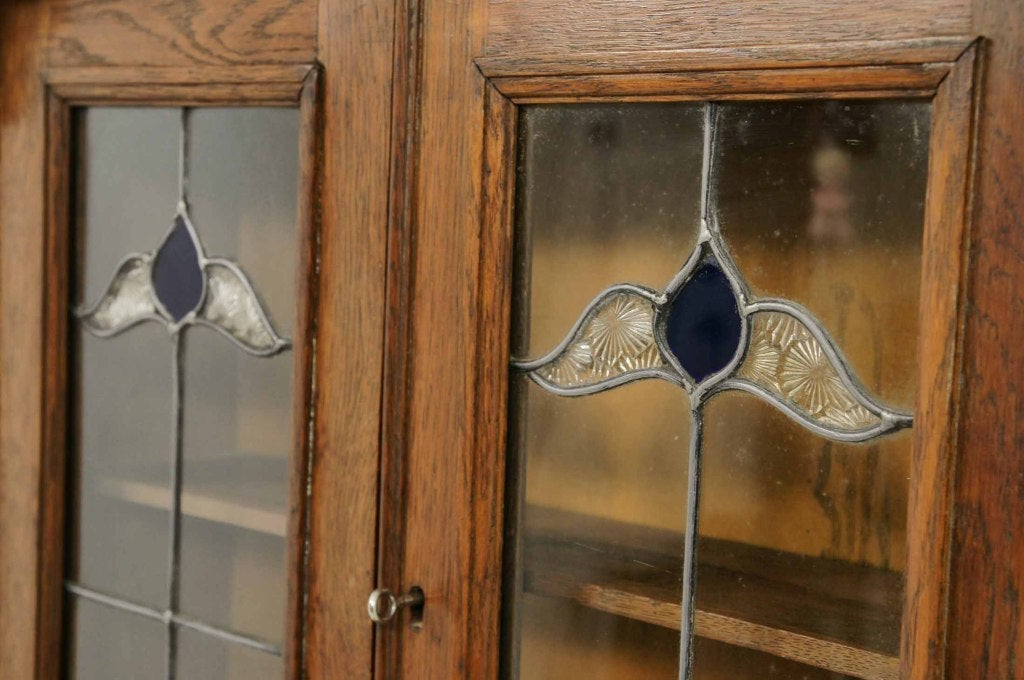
[
  {"x": 52, "y": 495},
  {"x": 258, "y": 85},
  {"x": 308, "y": 219},
  {"x": 741, "y": 57},
  {"x": 490, "y": 416},
  {"x": 937, "y": 411},
  {"x": 782, "y": 83},
  {"x": 292, "y": 86}
]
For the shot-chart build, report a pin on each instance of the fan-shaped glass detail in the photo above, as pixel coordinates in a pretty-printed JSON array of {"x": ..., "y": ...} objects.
[
  {"x": 787, "y": 360},
  {"x": 231, "y": 306},
  {"x": 703, "y": 327},
  {"x": 613, "y": 344},
  {"x": 128, "y": 299},
  {"x": 177, "y": 273}
]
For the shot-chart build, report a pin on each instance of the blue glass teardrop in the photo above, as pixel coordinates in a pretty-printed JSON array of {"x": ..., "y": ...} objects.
[
  {"x": 177, "y": 276},
  {"x": 703, "y": 327}
]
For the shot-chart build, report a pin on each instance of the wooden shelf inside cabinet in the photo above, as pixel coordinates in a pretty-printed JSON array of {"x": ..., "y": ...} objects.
[
  {"x": 245, "y": 492},
  {"x": 826, "y": 613}
]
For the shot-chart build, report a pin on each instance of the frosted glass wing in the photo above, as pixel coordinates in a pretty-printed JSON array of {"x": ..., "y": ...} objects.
[
  {"x": 792, "y": 362},
  {"x": 613, "y": 343},
  {"x": 129, "y": 299},
  {"x": 232, "y": 307}
]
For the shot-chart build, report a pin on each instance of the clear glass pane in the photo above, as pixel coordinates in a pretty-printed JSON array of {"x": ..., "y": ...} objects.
[
  {"x": 124, "y": 470},
  {"x": 822, "y": 203},
  {"x": 127, "y": 187},
  {"x": 113, "y": 644},
  {"x": 801, "y": 534},
  {"x": 238, "y": 437},
  {"x": 607, "y": 194},
  {"x": 238, "y": 408},
  {"x": 202, "y": 657},
  {"x": 243, "y": 197},
  {"x": 128, "y": 183}
]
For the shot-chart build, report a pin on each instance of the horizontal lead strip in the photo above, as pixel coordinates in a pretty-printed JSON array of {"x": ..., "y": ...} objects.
[{"x": 169, "y": 617}]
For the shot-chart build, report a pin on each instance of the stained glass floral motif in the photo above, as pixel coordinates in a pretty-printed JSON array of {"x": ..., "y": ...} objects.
[
  {"x": 614, "y": 342},
  {"x": 786, "y": 359},
  {"x": 178, "y": 285},
  {"x": 706, "y": 333}
]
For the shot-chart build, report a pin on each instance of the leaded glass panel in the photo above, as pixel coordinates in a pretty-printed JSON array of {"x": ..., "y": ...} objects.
[
  {"x": 785, "y": 426},
  {"x": 184, "y": 389}
]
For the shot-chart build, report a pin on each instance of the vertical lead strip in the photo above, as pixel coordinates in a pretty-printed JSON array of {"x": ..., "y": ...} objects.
[
  {"x": 183, "y": 153},
  {"x": 177, "y": 463},
  {"x": 696, "y": 432},
  {"x": 690, "y": 543},
  {"x": 174, "y": 559}
]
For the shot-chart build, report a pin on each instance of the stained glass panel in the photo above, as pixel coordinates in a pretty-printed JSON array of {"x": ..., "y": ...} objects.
[
  {"x": 190, "y": 534},
  {"x": 708, "y": 332}
]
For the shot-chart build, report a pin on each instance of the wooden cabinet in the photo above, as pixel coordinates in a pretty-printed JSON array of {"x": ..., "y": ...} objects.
[{"x": 468, "y": 178}]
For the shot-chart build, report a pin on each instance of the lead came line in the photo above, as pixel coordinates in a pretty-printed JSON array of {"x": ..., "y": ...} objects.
[
  {"x": 696, "y": 438},
  {"x": 168, "y": 616}
]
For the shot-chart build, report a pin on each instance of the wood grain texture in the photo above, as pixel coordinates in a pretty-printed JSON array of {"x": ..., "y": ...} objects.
[
  {"x": 131, "y": 33},
  {"x": 452, "y": 523},
  {"x": 22, "y": 163},
  {"x": 772, "y": 84},
  {"x": 851, "y": 53},
  {"x": 356, "y": 43},
  {"x": 308, "y": 221},
  {"x": 398, "y": 316},
  {"x": 265, "y": 85},
  {"x": 53, "y": 455},
  {"x": 825, "y": 613},
  {"x": 936, "y": 414},
  {"x": 986, "y": 629},
  {"x": 539, "y": 27}
]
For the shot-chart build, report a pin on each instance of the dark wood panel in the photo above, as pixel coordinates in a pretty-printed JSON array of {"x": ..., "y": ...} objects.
[
  {"x": 356, "y": 43},
  {"x": 852, "y": 53},
  {"x": 22, "y": 163},
  {"x": 936, "y": 413},
  {"x": 539, "y": 27},
  {"x": 150, "y": 33},
  {"x": 986, "y": 630}
]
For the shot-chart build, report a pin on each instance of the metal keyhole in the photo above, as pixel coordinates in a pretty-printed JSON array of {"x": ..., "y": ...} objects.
[{"x": 383, "y": 605}]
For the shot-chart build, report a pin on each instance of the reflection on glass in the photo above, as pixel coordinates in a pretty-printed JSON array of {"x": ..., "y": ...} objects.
[
  {"x": 608, "y": 193},
  {"x": 185, "y": 415},
  {"x": 802, "y": 531},
  {"x": 237, "y": 438},
  {"x": 202, "y": 657},
  {"x": 822, "y": 203},
  {"x": 109, "y": 643}
]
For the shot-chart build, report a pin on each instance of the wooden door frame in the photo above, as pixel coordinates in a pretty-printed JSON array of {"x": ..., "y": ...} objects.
[
  {"x": 463, "y": 589},
  {"x": 181, "y": 52}
]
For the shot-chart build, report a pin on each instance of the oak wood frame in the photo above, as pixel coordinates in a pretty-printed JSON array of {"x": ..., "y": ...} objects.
[
  {"x": 468, "y": 618},
  {"x": 294, "y": 86}
]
